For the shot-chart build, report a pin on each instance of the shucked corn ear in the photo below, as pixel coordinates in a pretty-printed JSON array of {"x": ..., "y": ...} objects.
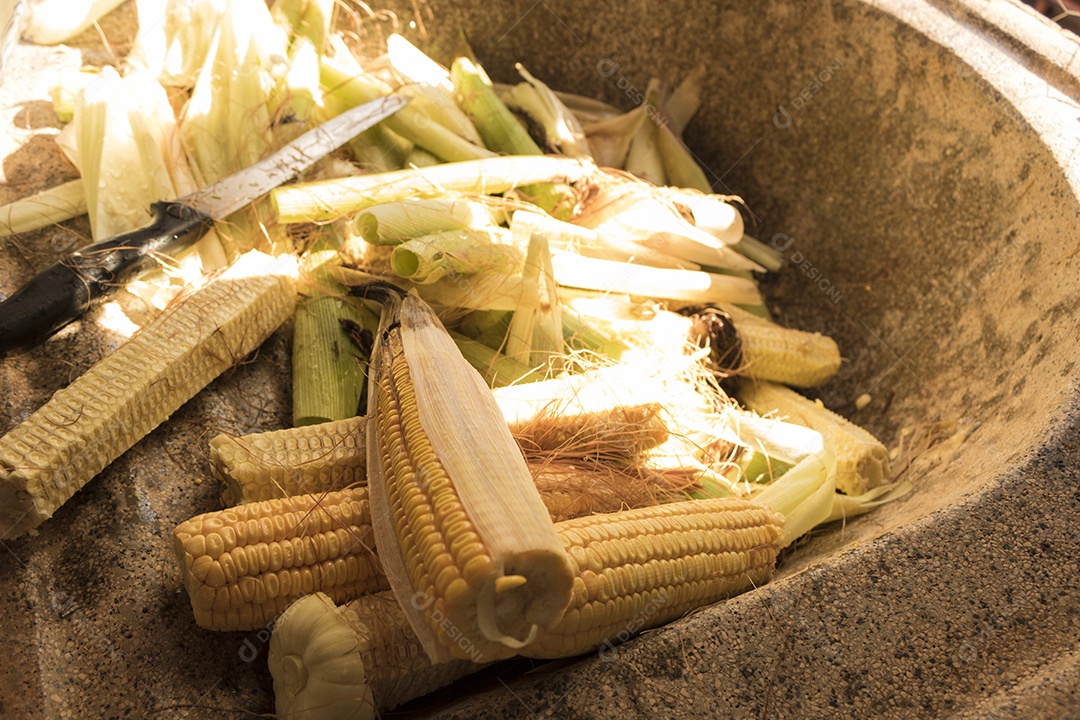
[
  {"x": 634, "y": 570},
  {"x": 643, "y": 568},
  {"x": 462, "y": 533},
  {"x": 244, "y": 565},
  {"x": 333, "y": 455},
  {"x": 783, "y": 355},
  {"x": 294, "y": 461},
  {"x": 862, "y": 462},
  {"x": 85, "y": 426}
]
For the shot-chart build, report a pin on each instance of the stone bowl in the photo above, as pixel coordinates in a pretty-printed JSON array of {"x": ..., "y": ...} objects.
[{"x": 915, "y": 162}]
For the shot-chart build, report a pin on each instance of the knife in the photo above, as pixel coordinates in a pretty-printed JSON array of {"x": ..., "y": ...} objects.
[{"x": 61, "y": 293}]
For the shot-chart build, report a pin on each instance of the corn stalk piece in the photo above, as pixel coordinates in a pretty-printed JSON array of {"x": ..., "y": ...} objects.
[
  {"x": 636, "y": 570},
  {"x": 243, "y": 566},
  {"x": 862, "y": 462},
  {"x": 464, "y": 537},
  {"x": 85, "y": 426}
]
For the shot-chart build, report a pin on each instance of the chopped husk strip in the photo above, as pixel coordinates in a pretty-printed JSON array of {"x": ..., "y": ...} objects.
[
  {"x": 641, "y": 280},
  {"x": 330, "y": 199},
  {"x": 614, "y": 205},
  {"x": 48, "y": 207},
  {"x": 535, "y": 333},
  {"x": 343, "y": 78},
  {"x": 329, "y": 370}
]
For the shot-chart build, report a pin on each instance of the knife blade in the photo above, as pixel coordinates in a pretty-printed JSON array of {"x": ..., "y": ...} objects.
[{"x": 61, "y": 293}]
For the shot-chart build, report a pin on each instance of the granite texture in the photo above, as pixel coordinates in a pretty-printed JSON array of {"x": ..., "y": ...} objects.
[{"x": 917, "y": 164}]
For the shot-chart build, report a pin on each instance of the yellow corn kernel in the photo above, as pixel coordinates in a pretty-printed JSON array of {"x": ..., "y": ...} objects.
[
  {"x": 862, "y": 462},
  {"x": 85, "y": 426},
  {"x": 243, "y": 566}
]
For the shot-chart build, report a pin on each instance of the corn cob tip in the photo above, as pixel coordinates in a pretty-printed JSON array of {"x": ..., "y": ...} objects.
[{"x": 316, "y": 664}]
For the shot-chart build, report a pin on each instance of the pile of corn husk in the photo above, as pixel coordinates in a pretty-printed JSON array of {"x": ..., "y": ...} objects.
[{"x": 594, "y": 280}]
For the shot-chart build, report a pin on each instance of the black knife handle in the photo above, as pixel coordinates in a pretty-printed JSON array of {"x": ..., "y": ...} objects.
[{"x": 61, "y": 293}]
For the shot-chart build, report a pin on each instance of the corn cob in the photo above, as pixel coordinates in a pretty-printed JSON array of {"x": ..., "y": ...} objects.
[
  {"x": 634, "y": 570},
  {"x": 463, "y": 535},
  {"x": 862, "y": 462},
  {"x": 85, "y": 426},
  {"x": 778, "y": 354},
  {"x": 281, "y": 549},
  {"x": 243, "y": 566},
  {"x": 643, "y": 568},
  {"x": 313, "y": 458},
  {"x": 331, "y": 456}
]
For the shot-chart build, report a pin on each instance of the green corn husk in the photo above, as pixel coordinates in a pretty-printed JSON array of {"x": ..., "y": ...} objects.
[
  {"x": 536, "y": 333},
  {"x": 562, "y": 130},
  {"x": 430, "y": 85},
  {"x": 329, "y": 370},
  {"x": 488, "y": 327},
  {"x": 343, "y": 79},
  {"x": 124, "y": 128},
  {"x": 421, "y": 158},
  {"x": 643, "y": 158},
  {"x": 498, "y": 369},
  {"x": 681, "y": 168},
  {"x": 330, "y": 199},
  {"x": 393, "y": 223},
  {"x": 455, "y": 253},
  {"x": 501, "y": 131},
  {"x": 609, "y": 139},
  {"x": 304, "y": 19},
  {"x": 380, "y": 149},
  {"x": 685, "y": 100},
  {"x": 48, "y": 207}
]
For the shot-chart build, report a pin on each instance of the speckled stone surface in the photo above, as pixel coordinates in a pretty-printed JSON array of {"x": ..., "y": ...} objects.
[{"x": 917, "y": 164}]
